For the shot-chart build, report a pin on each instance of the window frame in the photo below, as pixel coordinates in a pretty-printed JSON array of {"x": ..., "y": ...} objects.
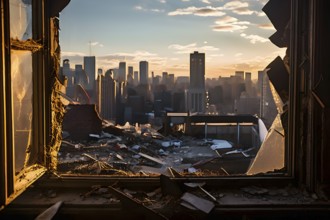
[
  {"x": 13, "y": 184},
  {"x": 43, "y": 110}
]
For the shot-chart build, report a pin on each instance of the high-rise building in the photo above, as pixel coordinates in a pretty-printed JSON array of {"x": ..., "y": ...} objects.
[
  {"x": 197, "y": 93},
  {"x": 164, "y": 78},
  {"x": 260, "y": 80},
  {"x": 90, "y": 69},
  {"x": 108, "y": 96},
  {"x": 239, "y": 74},
  {"x": 99, "y": 72},
  {"x": 136, "y": 77},
  {"x": 80, "y": 76},
  {"x": 144, "y": 72},
  {"x": 130, "y": 76},
  {"x": 66, "y": 70},
  {"x": 122, "y": 72},
  {"x": 248, "y": 77},
  {"x": 115, "y": 74},
  {"x": 170, "y": 81},
  {"x": 69, "y": 75}
]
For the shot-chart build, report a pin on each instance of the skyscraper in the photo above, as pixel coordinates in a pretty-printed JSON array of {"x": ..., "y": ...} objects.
[
  {"x": 108, "y": 96},
  {"x": 136, "y": 78},
  {"x": 197, "y": 70},
  {"x": 67, "y": 72},
  {"x": 239, "y": 74},
  {"x": 122, "y": 72},
  {"x": 197, "y": 93},
  {"x": 144, "y": 72},
  {"x": 130, "y": 80},
  {"x": 90, "y": 69}
]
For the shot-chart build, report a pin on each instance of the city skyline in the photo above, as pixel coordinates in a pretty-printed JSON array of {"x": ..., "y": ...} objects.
[{"x": 232, "y": 34}]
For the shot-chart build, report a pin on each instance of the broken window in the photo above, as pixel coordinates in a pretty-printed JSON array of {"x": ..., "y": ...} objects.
[
  {"x": 114, "y": 125},
  {"x": 155, "y": 152},
  {"x": 22, "y": 135},
  {"x": 21, "y": 63}
]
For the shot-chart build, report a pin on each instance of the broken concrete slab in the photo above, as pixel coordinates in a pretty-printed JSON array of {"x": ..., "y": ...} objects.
[
  {"x": 169, "y": 187},
  {"x": 197, "y": 202},
  {"x": 134, "y": 204},
  {"x": 82, "y": 120}
]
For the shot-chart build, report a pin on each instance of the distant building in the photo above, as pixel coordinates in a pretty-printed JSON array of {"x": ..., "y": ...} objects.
[
  {"x": 115, "y": 73},
  {"x": 90, "y": 69},
  {"x": 80, "y": 76},
  {"x": 67, "y": 72},
  {"x": 130, "y": 76},
  {"x": 182, "y": 83},
  {"x": 136, "y": 78},
  {"x": 108, "y": 96},
  {"x": 248, "y": 77},
  {"x": 99, "y": 71},
  {"x": 144, "y": 72},
  {"x": 164, "y": 78},
  {"x": 196, "y": 94},
  {"x": 170, "y": 81},
  {"x": 239, "y": 74},
  {"x": 250, "y": 90},
  {"x": 260, "y": 80},
  {"x": 156, "y": 80},
  {"x": 122, "y": 72},
  {"x": 69, "y": 75}
]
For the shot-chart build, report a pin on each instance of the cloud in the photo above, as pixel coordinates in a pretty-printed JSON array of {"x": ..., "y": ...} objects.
[
  {"x": 71, "y": 54},
  {"x": 139, "y": 8},
  {"x": 157, "y": 10},
  {"x": 185, "y": 0},
  {"x": 93, "y": 44},
  {"x": 112, "y": 60},
  {"x": 260, "y": 14},
  {"x": 229, "y": 24},
  {"x": 254, "y": 38},
  {"x": 235, "y": 5},
  {"x": 202, "y": 11},
  {"x": 240, "y": 8},
  {"x": 268, "y": 26},
  {"x": 189, "y": 48},
  {"x": 162, "y": 1},
  {"x": 206, "y": 1},
  {"x": 238, "y": 54},
  {"x": 216, "y": 55}
]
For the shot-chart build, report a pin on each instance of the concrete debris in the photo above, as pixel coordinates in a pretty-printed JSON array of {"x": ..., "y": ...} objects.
[
  {"x": 81, "y": 120},
  {"x": 199, "y": 185},
  {"x": 197, "y": 202},
  {"x": 139, "y": 150},
  {"x": 128, "y": 200},
  {"x": 220, "y": 144},
  {"x": 254, "y": 190},
  {"x": 170, "y": 187}
]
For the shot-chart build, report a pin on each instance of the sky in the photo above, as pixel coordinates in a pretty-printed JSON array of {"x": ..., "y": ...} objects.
[{"x": 232, "y": 34}]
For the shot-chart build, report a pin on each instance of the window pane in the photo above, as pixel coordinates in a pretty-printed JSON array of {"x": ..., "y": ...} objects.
[
  {"x": 20, "y": 19},
  {"x": 21, "y": 78}
]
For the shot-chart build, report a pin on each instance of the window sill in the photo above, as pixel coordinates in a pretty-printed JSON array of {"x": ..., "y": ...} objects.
[{"x": 232, "y": 200}]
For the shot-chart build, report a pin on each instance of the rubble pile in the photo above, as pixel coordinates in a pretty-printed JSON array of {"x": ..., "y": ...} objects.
[{"x": 142, "y": 151}]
